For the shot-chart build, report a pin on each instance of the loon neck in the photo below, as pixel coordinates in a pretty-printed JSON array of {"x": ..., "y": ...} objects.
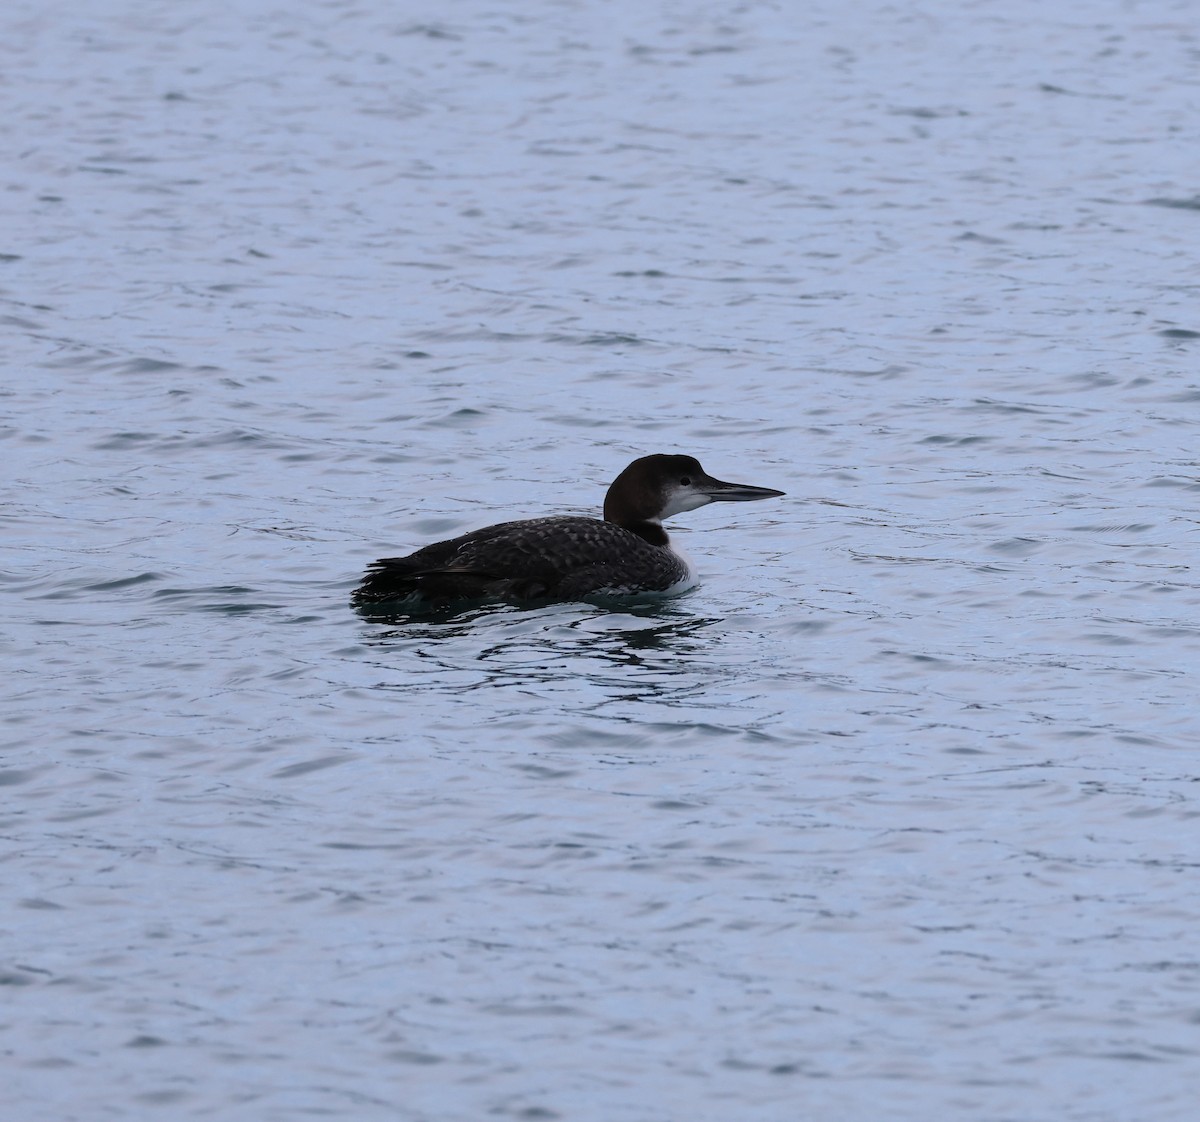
[{"x": 648, "y": 529}]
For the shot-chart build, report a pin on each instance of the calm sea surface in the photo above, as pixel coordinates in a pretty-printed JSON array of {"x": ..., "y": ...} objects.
[{"x": 896, "y": 816}]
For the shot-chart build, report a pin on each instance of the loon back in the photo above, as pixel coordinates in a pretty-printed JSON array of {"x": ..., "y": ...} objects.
[
  {"x": 566, "y": 557},
  {"x": 561, "y": 558}
]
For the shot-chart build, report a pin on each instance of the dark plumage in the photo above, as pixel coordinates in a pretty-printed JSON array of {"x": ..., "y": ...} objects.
[{"x": 564, "y": 557}]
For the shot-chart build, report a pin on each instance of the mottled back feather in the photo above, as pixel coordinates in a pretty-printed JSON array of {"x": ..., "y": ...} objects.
[{"x": 562, "y": 557}]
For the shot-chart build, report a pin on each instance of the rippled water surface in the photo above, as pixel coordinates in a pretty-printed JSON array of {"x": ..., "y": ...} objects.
[{"x": 894, "y": 816}]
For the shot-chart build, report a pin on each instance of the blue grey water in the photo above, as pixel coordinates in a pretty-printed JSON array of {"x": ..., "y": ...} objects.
[{"x": 894, "y": 816}]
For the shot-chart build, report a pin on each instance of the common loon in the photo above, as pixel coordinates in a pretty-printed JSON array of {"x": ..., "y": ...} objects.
[{"x": 566, "y": 557}]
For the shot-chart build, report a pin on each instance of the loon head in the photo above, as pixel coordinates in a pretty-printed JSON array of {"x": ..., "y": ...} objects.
[{"x": 655, "y": 487}]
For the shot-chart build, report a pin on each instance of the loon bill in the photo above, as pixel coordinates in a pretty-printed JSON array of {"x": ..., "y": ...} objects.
[{"x": 566, "y": 557}]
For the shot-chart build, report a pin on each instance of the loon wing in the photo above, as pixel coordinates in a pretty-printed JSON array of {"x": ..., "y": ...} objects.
[{"x": 565, "y": 557}]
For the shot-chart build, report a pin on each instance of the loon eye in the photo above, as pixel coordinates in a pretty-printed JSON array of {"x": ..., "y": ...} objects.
[{"x": 686, "y": 481}]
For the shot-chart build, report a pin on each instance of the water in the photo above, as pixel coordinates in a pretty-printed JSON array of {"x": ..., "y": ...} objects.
[{"x": 895, "y": 815}]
